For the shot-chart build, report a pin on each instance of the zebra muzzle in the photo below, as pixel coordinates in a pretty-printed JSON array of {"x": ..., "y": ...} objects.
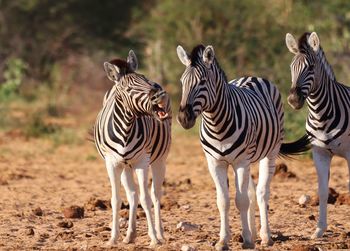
[
  {"x": 159, "y": 103},
  {"x": 186, "y": 117}
]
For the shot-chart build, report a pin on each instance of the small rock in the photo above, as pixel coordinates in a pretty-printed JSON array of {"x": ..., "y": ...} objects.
[
  {"x": 281, "y": 168},
  {"x": 65, "y": 224},
  {"x": 312, "y": 217},
  {"x": 186, "y": 207},
  {"x": 38, "y": 211},
  {"x": 29, "y": 231},
  {"x": 94, "y": 204},
  {"x": 332, "y": 197},
  {"x": 123, "y": 222},
  {"x": 186, "y": 226},
  {"x": 74, "y": 212},
  {"x": 304, "y": 200},
  {"x": 187, "y": 248},
  {"x": 282, "y": 172},
  {"x": 343, "y": 199}
]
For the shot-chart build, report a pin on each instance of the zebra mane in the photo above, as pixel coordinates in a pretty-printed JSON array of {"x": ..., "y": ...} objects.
[
  {"x": 196, "y": 54},
  {"x": 196, "y": 58},
  {"x": 122, "y": 65},
  {"x": 305, "y": 48}
]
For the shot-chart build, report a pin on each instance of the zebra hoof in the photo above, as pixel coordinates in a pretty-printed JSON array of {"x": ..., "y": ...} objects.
[
  {"x": 248, "y": 245},
  {"x": 267, "y": 243},
  {"x": 318, "y": 233},
  {"x": 112, "y": 242},
  {"x": 129, "y": 238},
  {"x": 154, "y": 243},
  {"x": 221, "y": 246}
]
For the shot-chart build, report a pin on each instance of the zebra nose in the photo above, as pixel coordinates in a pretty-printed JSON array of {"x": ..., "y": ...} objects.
[
  {"x": 295, "y": 98},
  {"x": 186, "y": 116}
]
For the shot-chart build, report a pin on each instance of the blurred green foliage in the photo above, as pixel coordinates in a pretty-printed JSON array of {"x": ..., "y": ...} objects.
[
  {"x": 248, "y": 38},
  {"x": 13, "y": 75}
]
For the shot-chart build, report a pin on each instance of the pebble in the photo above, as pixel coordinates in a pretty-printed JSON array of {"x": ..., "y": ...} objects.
[
  {"x": 186, "y": 226},
  {"x": 304, "y": 200},
  {"x": 187, "y": 248}
]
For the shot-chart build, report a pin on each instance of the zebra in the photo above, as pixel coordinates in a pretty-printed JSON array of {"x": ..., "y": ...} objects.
[
  {"x": 328, "y": 101},
  {"x": 131, "y": 133},
  {"x": 242, "y": 123}
]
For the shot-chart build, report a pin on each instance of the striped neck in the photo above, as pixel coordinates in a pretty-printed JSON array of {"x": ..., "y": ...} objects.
[
  {"x": 322, "y": 93},
  {"x": 221, "y": 97},
  {"x": 324, "y": 73},
  {"x": 123, "y": 118}
]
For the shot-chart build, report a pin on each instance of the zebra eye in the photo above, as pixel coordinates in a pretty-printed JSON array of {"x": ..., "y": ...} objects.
[{"x": 311, "y": 67}]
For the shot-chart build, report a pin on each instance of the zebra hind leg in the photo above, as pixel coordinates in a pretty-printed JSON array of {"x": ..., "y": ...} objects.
[
  {"x": 114, "y": 172},
  {"x": 129, "y": 186},
  {"x": 266, "y": 172},
  {"x": 141, "y": 170},
  {"x": 242, "y": 171},
  {"x": 322, "y": 159},
  {"x": 348, "y": 160},
  {"x": 158, "y": 173}
]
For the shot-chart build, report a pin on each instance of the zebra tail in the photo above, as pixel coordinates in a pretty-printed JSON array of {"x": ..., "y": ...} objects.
[{"x": 297, "y": 147}]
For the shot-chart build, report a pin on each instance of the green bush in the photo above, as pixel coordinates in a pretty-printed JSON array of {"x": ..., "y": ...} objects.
[{"x": 14, "y": 73}]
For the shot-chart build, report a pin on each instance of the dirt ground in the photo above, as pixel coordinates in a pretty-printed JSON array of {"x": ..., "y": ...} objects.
[{"x": 38, "y": 180}]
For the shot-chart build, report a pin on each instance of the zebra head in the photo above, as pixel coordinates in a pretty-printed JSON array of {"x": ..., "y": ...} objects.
[
  {"x": 198, "y": 84},
  {"x": 303, "y": 67},
  {"x": 140, "y": 95}
]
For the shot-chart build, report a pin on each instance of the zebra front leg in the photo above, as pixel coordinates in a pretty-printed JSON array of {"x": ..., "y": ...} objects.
[
  {"x": 129, "y": 186},
  {"x": 158, "y": 173},
  {"x": 242, "y": 173},
  {"x": 322, "y": 159},
  {"x": 141, "y": 170},
  {"x": 218, "y": 171},
  {"x": 114, "y": 171},
  {"x": 266, "y": 172},
  {"x": 252, "y": 205}
]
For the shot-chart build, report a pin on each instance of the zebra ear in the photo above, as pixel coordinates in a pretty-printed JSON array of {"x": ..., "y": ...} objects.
[
  {"x": 183, "y": 56},
  {"x": 291, "y": 43},
  {"x": 132, "y": 61},
  {"x": 112, "y": 71},
  {"x": 314, "y": 41},
  {"x": 208, "y": 55}
]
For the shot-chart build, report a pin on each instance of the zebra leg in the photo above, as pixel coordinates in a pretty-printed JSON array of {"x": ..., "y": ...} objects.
[
  {"x": 129, "y": 186},
  {"x": 158, "y": 173},
  {"x": 242, "y": 171},
  {"x": 252, "y": 205},
  {"x": 266, "y": 172},
  {"x": 114, "y": 172},
  {"x": 348, "y": 160},
  {"x": 141, "y": 170},
  {"x": 218, "y": 171},
  {"x": 322, "y": 159}
]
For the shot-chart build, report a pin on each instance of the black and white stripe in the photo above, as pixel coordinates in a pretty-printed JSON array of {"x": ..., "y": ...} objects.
[
  {"x": 328, "y": 101},
  {"x": 242, "y": 122},
  {"x": 133, "y": 133}
]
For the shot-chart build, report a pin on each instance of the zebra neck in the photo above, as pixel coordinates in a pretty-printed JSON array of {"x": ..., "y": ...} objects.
[
  {"x": 123, "y": 118},
  {"x": 323, "y": 92},
  {"x": 225, "y": 100},
  {"x": 324, "y": 72}
]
